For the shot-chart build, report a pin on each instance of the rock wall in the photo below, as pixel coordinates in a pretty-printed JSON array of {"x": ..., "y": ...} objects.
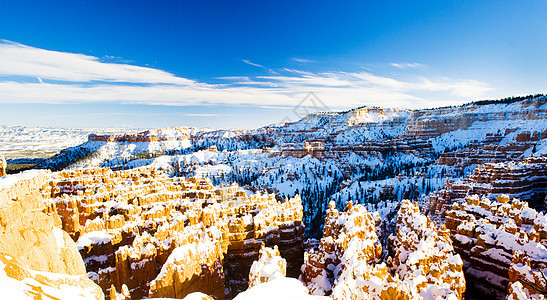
[
  {"x": 38, "y": 259},
  {"x": 3, "y": 166},
  {"x": 27, "y": 233},
  {"x": 526, "y": 180},
  {"x": 430, "y": 123},
  {"x": 489, "y": 235},
  {"x": 168, "y": 237},
  {"x": 377, "y": 148},
  {"x": 348, "y": 262},
  {"x": 195, "y": 135},
  {"x": 491, "y": 150}
]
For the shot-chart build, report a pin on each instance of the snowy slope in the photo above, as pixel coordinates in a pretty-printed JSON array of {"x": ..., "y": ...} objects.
[{"x": 37, "y": 142}]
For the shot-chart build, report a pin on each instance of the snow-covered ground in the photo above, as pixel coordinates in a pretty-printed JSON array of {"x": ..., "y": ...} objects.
[{"x": 40, "y": 142}]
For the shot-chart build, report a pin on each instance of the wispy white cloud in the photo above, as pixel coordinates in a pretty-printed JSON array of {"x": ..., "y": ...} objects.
[
  {"x": 407, "y": 65},
  {"x": 259, "y": 66},
  {"x": 21, "y": 60},
  {"x": 199, "y": 115},
  {"x": 253, "y": 64},
  {"x": 302, "y": 60},
  {"x": 117, "y": 59},
  {"x": 76, "y": 78}
]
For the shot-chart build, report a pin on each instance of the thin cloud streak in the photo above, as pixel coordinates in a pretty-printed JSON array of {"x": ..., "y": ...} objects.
[
  {"x": 77, "y": 78},
  {"x": 407, "y": 65},
  {"x": 200, "y": 115},
  {"x": 302, "y": 60},
  {"x": 253, "y": 64},
  {"x": 259, "y": 66}
]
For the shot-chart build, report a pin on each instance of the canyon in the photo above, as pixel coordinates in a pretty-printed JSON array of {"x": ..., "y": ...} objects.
[{"x": 368, "y": 203}]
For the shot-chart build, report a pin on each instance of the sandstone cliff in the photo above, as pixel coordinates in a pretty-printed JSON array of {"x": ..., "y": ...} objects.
[
  {"x": 38, "y": 259},
  {"x": 3, "y": 166},
  {"x": 526, "y": 180},
  {"x": 169, "y": 237},
  {"x": 490, "y": 235}
]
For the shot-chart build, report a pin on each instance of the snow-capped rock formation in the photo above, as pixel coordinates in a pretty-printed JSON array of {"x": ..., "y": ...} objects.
[
  {"x": 526, "y": 282},
  {"x": 526, "y": 180},
  {"x": 267, "y": 279},
  {"x": 144, "y": 220},
  {"x": 490, "y": 235},
  {"x": 169, "y": 237},
  {"x": 269, "y": 266},
  {"x": 348, "y": 263},
  {"x": 38, "y": 259},
  {"x": 420, "y": 245}
]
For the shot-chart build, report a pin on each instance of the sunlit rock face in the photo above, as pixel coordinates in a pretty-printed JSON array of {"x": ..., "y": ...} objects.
[
  {"x": 526, "y": 180},
  {"x": 500, "y": 242},
  {"x": 3, "y": 165},
  {"x": 348, "y": 263},
  {"x": 169, "y": 237},
  {"x": 434, "y": 122},
  {"x": 38, "y": 260}
]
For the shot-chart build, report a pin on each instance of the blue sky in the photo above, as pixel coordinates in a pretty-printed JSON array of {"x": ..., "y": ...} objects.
[{"x": 246, "y": 64}]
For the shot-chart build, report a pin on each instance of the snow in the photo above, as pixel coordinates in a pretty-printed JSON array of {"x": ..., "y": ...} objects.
[
  {"x": 59, "y": 239},
  {"x": 463, "y": 239},
  {"x": 29, "y": 142},
  {"x": 192, "y": 296},
  {"x": 518, "y": 292},
  {"x": 8, "y": 181},
  {"x": 91, "y": 238},
  {"x": 27, "y": 288},
  {"x": 279, "y": 288}
]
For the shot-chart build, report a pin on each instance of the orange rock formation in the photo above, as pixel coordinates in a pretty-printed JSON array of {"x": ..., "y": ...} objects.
[
  {"x": 37, "y": 259},
  {"x": 168, "y": 237},
  {"x": 489, "y": 235},
  {"x": 3, "y": 166}
]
